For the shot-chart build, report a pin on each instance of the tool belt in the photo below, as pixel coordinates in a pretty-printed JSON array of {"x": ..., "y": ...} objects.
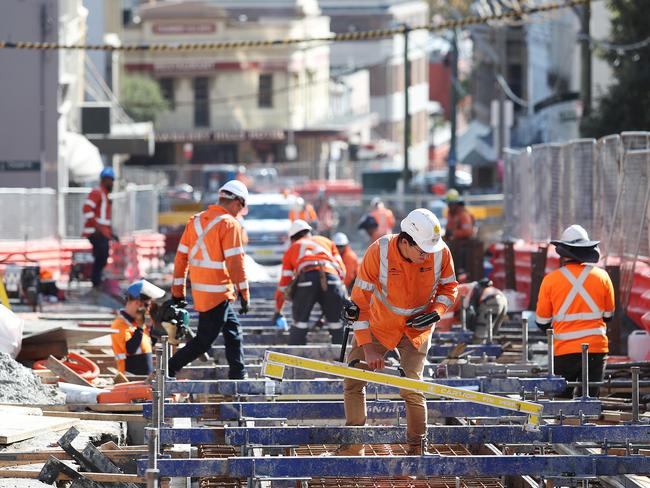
[{"x": 290, "y": 291}]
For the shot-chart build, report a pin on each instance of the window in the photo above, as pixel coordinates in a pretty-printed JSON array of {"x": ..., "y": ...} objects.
[
  {"x": 201, "y": 102},
  {"x": 167, "y": 90},
  {"x": 265, "y": 95}
]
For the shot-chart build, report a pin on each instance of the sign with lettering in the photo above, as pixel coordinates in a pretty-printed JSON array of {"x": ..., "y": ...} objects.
[
  {"x": 18, "y": 165},
  {"x": 179, "y": 29}
]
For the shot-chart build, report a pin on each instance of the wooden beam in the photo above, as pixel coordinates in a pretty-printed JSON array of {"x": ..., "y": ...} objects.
[
  {"x": 65, "y": 373},
  {"x": 99, "y": 477}
]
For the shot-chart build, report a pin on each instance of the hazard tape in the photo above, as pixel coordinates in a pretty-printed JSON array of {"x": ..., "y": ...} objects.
[
  {"x": 274, "y": 364},
  {"x": 516, "y": 14}
]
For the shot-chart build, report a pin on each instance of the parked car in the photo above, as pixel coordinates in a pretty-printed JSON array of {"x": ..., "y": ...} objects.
[
  {"x": 267, "y": 225},
  {"x": 436, "y": 181}
]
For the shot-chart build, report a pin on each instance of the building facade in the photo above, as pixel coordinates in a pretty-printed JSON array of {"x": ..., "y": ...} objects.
[{"x": 384, "y": 59}]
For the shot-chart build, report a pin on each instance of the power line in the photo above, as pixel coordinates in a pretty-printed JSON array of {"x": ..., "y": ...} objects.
[{"x": 341, "y": 37}]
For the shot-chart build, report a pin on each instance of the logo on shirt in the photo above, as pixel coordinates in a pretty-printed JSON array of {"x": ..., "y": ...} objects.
[
  {"x": 424, "y": 270},
  {"x": 394, "y": 271}
]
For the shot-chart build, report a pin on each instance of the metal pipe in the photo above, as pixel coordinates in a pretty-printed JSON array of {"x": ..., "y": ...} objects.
[
  {"x": 585, "y": 370},
  {"x": 155, "y": 409},
  {"x": 152, "y": 447},
  {"x": 551, "y": 352},
  {"x": 524, "y": 339},
  {"x": 151, "y": 476},
  {"x": 635, "y": 394},
  {"x": 463, "y": 318},
  {"x": 489, "y": 328}
]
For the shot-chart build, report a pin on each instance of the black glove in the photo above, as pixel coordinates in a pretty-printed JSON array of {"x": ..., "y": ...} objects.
[
  {"x": 424, "y": 321},
  {"x": 243, "y": 304},
  {"x": 177, "y": 301},
  {"x": 543, "y": 327},
  {"x": 350, "y": 311}
]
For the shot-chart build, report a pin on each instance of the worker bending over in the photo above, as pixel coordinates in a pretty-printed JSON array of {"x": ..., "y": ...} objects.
[
  {"x": 312, "y": 271},
  {"x": 97, "y": 209},
  {"x": 349, "y": 257},
  {"x": 461, "y": 227},
  {"x": 480, "y": 300},
  {"x": 211, "y": 247},
  {"x": 384, "y": 217},
  {"x": 576, "y": 301},
  {"x": 405, "y": 283},
  {"x": 132, "y": 341}
]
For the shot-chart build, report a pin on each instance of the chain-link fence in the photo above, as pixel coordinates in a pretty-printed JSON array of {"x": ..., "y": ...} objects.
[
  {"x": 602, "y": 185},
  {"x": 134, "y": 209},
  {"x": 28, "y": 213}
]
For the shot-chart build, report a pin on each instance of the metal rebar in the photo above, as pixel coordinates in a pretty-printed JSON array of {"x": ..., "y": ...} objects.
[
  {"x": 151, "y": 476},
  {"x": 489, "y": 328},
  {"x": 463, "y": 318},
  {"x": 585, "y": 370},
  {"x": 524, "y": 339},
  {"x": 155, "y": 408},
  {"x": 551, "y": 352},
  {"x": 152, "y": 447},
  {"x": 635, "y": 394}
]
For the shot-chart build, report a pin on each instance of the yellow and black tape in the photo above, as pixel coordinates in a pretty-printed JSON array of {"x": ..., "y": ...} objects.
[{"x": 343, "y": 37}]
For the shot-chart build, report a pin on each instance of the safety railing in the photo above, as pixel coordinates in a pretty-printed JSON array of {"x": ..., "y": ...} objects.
[{"x": 28, "y": 214}]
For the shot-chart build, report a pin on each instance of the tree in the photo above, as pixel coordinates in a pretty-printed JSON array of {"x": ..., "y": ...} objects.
[
  {"x": 142, "y": 99},
  {"x": 626, "y": 105}
]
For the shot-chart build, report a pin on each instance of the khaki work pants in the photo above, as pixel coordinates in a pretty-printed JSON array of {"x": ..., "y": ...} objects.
[{"x": 412, "y": 362}]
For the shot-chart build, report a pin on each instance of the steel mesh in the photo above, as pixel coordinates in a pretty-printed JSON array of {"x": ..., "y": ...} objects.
[
  {"x": 607, "y": 184},
  {"x": 540, "y": 165},
  {"x": 511, "y": 196},
  {"x": 28, "y": 213}
]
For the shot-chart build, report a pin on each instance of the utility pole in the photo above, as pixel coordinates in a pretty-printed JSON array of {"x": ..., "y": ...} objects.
[
  {"x": 452, "y": 157},
  {"x": 585, "y": 59},
  {"x": 502, "y": 69},
  {"x": 407, "y": 115}
]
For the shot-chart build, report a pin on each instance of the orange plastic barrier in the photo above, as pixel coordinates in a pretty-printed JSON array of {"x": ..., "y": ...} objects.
[{"x": 84, "y": 367}]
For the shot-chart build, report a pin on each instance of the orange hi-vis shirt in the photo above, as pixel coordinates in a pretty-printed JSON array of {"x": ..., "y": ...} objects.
[
  {"x": 314, "y": 252},
  {"x": 211, "y": 247},
  {"x": 385, "y": 221},
  {"x": 97, "y": 210},
  {"x": 389, "y": 290},
  {"x": 351, "y": 262},
  {"x": 308, "y": 214},
  {"x": 461, "y": 224},
  {"x": 125, "y": 331},
  {"x": 575, "y": 299}
]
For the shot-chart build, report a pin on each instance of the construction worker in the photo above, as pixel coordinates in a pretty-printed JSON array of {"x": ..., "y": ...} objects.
[
  {"x": 461, "y": 227},
  {"x": 349, "y": 257},
  {"x": 576, "y": 301},
  {"x": 369, "y": 224},
  {"x": 211, "y": 246},
  {"x": 312, "y": 271},
  {"x": 480, "y": 299},
  {"x": 406, "y": 282},
  {"x": 384, "y": 217},
  {"x": 303, "y": 211},
  {"x": 97, "y": 224},
  {"x": 132, "y": 342}
]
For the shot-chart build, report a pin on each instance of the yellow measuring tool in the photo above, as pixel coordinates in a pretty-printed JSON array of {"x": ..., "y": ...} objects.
[
  {"x": 3, "y": 293},
  {"x": 275, "y": 362}
]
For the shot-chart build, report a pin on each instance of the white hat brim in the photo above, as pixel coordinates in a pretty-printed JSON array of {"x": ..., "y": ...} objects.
[{"x": 428, "y": 247}]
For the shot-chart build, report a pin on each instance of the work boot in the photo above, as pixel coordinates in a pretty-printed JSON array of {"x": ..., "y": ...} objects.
[{"x": 350, "y": 450}]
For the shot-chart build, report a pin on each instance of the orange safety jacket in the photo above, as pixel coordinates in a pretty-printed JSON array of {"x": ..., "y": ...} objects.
[
  {"x": 126, "y": 329},
  {"x": 308, "y": 214},
  {"x": 389, "y": 289},
  {"x": 351, "y": 262},
  {"x": 211, "y": 247},
  {"x": 460, "y": 225},
  {"x": 306, "y": 254},
  {"x": 385, "y": 221},
  {"x": 97, "y": 213},
  {"x": 575, "y": 299}
]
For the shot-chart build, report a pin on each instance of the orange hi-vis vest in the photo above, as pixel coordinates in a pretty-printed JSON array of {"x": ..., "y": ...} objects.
[
  {"x": 351, "y": 262},
  {"x": 389, "y": 289},
  {"x": 97, "y": 210},
  {"x": 306, "y": 254},
  {"x": 211, "y": 246},
  {"x": 575, "y": 299},
  {"x": 308, "y": 214},
  {"x": 125, "y": 332},
  {"x": 460, "y": 225},
  {"x": 385, "y": 220}
]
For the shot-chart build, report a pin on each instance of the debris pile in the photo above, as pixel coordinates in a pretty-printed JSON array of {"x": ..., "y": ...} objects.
[{"x": 19, "y": 384}]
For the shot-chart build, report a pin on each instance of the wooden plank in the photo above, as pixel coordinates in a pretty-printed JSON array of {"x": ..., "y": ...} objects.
[
  {"x": 108, "y": 417},
  {"x": 19, "y": 410},
  {"x": 99, "y": 477},
  {"x": 14, "y": 428},
  {"x": 65, "y": 373},
  {"x": 115, "y": 407}
]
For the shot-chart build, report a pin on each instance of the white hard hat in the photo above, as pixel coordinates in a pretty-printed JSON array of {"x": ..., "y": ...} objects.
[
  {"x": 423, "y": 226},
  {"x": 575, "y": 236},
  {"x": 340, "y": 239},
  {"x": 144, "y": 288},
  {"x": 375, "y": 201},
  {"x": 236, "y": 188},
  {"x": 298, "y": 226}
]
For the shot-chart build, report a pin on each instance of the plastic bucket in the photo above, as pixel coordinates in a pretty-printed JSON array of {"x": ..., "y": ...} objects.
[{"x": 638, "y": 345}]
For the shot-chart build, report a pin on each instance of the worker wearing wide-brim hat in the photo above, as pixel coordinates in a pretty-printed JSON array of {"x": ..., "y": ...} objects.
[{"x": 576, "y": 301}]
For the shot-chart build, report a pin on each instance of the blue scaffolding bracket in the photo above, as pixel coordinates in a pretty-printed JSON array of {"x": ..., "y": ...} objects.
[
  {"x": 392, "y": 466},
  {"x": 436, "y": 434},
  {"x": 316, "y": 387},
  {"x": 380, "y": 409}
]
